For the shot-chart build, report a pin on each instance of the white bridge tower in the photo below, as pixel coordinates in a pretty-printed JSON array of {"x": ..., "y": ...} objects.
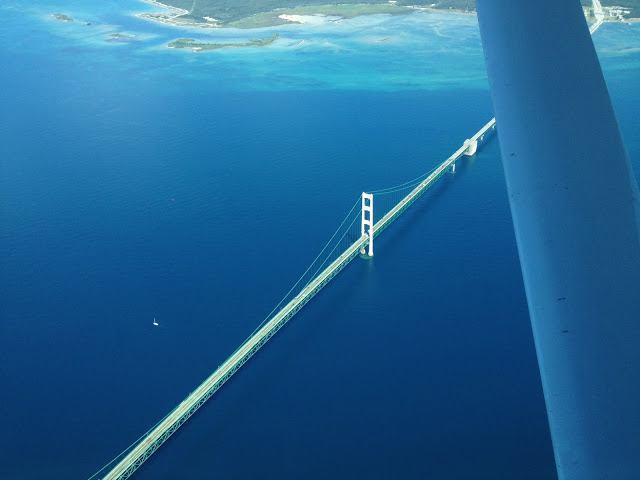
[{"x": 367, "y": 220}]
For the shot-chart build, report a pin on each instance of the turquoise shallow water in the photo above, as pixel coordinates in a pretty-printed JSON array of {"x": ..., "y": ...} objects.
[{"x": 140, "y": 182}]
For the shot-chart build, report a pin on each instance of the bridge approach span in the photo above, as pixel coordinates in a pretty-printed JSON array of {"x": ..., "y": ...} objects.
[{"x": 180, "y": 414}]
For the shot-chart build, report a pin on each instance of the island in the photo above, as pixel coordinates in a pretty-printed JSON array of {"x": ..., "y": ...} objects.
[
  {"x": 62, "y": 17},
  {"x": 120, "y": 37},
  {"x": 269, "y": 13},
  {"x": 200, "y": 46}
]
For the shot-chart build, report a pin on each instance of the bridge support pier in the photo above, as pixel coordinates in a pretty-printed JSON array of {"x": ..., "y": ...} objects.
[
  {"x": 472, "y": 147},
  {"x": 367, "y": 220}
]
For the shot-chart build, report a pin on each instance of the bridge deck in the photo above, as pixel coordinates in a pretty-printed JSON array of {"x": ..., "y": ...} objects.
[
  {"x": 200, "y": 395},
  {"x": 143, "y": 450},
  {"x": 385, "y": 221}
]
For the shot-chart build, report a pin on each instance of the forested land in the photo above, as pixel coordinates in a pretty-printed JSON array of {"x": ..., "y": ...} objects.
[
  {"x": 193, "y": 44},
  {"x": 227, "y": 11}
]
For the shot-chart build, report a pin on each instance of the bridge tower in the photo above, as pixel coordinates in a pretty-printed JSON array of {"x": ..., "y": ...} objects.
[{"x": 367, "y": 220}]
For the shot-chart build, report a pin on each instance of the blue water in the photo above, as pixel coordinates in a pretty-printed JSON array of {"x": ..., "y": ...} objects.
[{"x": 140, "y": 182}]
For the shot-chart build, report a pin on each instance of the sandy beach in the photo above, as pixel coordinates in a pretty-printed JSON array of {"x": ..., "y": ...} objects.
[
  {"x": 173, "y": 17},
  {"x": 306, "y": 17},
  {"x": 317, "y": 19}
]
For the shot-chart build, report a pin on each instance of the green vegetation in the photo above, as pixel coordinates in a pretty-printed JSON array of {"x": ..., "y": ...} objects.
[
  {"x": 121, "y": 37},
  {"x": 462, "y": 5},
  {"x": 62, "y": 17},
  {"x": 633, "y": 5},
  {"x": 230, "y": 11},
  {"x": 258, "y": 13},
  {"x": 227, "y": 11},
  {"x": 345, "y": 11},
  {"x": 191, "y": 43}
]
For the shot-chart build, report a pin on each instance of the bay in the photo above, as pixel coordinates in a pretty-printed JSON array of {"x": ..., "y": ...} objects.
[{"x": 139, "y": 182}]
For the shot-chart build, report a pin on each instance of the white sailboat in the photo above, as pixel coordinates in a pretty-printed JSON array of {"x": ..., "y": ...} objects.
[{"x": 154, "y": 322}]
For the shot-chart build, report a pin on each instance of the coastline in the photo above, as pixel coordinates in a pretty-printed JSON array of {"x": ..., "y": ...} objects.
[
  {"x": 292, "y": 15},
  {"x": 173, "y": 18},
  {"x": 194, "y": 45},
  {"x": 285, "y": 15},
  {"x": 163, "y": 5}
]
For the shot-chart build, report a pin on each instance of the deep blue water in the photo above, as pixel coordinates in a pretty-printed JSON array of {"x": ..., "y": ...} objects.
[{"x": 138, "y": 182}]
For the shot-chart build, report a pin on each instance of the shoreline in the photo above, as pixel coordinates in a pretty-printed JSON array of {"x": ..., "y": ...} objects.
[
  {"x": 163, "y": 5},
  {"x": 286, "y": 15},
  {"x": 278, "y": 17},
  {"x": 172, "y": 18},
  {"x": 195, "y": 46}
]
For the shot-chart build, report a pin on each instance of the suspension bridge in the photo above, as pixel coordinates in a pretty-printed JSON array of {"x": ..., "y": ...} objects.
[
  {"x": 346, "y": 243},
  {"x": 352, "y": 238}
]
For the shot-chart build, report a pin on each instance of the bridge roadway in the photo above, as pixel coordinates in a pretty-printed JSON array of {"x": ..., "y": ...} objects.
[
  {"x": 598, "y": 12},
  {"x": 179, "y": 415},
  {"x": 385, "y": 221},
  {"x": 130, "y": 463}
]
